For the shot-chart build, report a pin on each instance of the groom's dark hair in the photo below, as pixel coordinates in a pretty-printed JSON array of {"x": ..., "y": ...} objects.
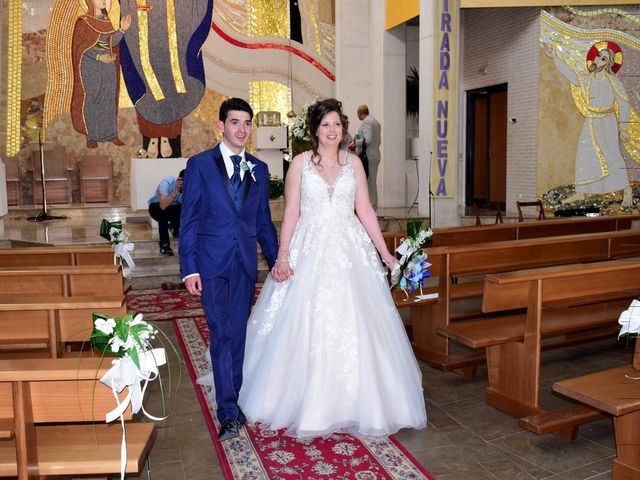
[{"x": 234, "y": 104}]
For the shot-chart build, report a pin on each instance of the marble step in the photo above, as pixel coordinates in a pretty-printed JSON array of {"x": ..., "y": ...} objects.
[{"x": 153, "y": 270}]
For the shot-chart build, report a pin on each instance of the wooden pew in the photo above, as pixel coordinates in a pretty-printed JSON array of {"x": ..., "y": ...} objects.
[
  {"x": 47, "y": 408},
  {"x": 565, "y": 304},
  {"x": 468, "y": 264},
  {"x": 65, "y": 281},
  {"x": 614, "y": 392},
  {"x": 553, "y": 227},
  {"x": 51, "y": 322},
  {"x": 62, "y": 255}
]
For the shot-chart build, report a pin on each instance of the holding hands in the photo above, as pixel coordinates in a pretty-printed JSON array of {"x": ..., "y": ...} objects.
[{"x": 281, "y": 271}]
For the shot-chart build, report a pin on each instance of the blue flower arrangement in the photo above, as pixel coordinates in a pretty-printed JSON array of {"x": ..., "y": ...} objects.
[{"x": 412, "y": 269}]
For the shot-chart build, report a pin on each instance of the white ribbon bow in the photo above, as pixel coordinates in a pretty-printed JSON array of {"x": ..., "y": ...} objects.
[
  {"x": 125, "y": 373},
  {"x": 123, "y": 250}
]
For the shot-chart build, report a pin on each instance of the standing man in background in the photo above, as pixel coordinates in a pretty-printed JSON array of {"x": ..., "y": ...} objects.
[
  {"x": 369, "y": 133},
  {"x": 165, "y": 207}
]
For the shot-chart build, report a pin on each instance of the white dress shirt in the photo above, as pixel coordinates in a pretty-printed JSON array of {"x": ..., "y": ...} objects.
[{"x": 228, "y": 163}]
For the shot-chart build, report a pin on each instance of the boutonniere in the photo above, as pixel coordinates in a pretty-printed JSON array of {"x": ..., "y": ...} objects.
[{"x": 246, "y": 165}]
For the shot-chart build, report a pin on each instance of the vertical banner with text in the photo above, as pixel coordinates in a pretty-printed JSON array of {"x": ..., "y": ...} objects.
[{"x": 445, "y": 98}]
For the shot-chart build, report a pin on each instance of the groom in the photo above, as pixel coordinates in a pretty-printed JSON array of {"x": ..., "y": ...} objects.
[{"x": 225, "y": 210}]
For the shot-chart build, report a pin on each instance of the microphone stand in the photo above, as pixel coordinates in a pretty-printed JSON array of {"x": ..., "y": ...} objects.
[
  {"x": 415, "y": 200},
  {"x": 43, "y": 215}
]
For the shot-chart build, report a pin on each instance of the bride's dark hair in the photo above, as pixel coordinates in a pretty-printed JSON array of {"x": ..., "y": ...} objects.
[{"x": 317, "y": 112}]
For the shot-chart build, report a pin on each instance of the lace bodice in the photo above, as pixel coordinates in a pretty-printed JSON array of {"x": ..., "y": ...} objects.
[{"x": 319, "y": 197}]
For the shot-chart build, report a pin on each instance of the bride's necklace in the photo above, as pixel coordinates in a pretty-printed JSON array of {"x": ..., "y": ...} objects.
[{"x": 333, "y": 165}]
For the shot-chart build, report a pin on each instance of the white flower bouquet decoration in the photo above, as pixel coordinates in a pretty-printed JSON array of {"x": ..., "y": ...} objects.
[
  {"x": 120, "y": 240},
  {"x": 129, "y": 339},
  {"x": 630, "y": 320},
  {"x": 630, "y": 327}
]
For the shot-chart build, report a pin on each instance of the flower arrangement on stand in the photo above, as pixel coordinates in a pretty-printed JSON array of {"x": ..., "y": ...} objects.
[
  {"x": 120, "y": 240},
  {"x": 630, "y": 328},
  {"x": 300, "y": 137},
  {"x": 412, "y": 269},
  {"x": 129, "y": 339}
]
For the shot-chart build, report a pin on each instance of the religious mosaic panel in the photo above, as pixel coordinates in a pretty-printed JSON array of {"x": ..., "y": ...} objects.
[
  {"x": 131, "y": 78},
  {"x": 589, "y": 135}
]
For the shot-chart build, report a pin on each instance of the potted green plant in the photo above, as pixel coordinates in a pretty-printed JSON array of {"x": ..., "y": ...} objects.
[
  {"x": 413, "y": 92},
  {"x": 276, "y": 187}
]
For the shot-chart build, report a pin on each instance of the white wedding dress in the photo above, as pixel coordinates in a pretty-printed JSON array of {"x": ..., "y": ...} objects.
[{"x": 326, "y": 350}]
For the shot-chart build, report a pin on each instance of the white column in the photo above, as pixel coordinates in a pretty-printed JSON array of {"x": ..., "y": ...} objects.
[
  {"x": 353, "y": 55},
  {"x": 393, "y": 62},
  {"x": 371, "y": 70}
]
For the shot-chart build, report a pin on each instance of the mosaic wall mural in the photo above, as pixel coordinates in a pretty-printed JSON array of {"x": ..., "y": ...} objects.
[
  {"x": 589, "y": 135},
  {"x": 119, "y": 80}
]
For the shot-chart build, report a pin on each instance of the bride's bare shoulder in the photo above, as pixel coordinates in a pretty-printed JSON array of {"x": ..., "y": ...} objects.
[{"x": 297, "y": 161}]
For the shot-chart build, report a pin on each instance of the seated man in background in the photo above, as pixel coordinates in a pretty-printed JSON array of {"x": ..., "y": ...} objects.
[{"x": 165, "y": 208}]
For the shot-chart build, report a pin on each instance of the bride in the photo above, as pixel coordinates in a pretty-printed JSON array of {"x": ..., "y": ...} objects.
[{"x": 326, "y": 349}]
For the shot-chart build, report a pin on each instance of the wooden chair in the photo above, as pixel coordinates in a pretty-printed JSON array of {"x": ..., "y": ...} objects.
[
  {"x": 536, "y": 203},
  {"x": 95, "y": 179},
  {"x": 58, "y": 176},
  {"x": 14, "y": 189},
  {"x": 491, "y": 206}
]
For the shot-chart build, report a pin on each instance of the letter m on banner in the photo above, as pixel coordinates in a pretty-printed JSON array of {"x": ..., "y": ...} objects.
[{"x": 445, "y": 98}]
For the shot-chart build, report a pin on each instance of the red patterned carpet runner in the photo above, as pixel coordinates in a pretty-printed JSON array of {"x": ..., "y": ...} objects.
[
  {"x": 264, "y": 454},
  {"x": 160, "y": 304}
]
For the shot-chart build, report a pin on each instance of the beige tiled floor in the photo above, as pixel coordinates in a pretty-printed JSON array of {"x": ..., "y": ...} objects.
[{"x": 465, "y": 438}]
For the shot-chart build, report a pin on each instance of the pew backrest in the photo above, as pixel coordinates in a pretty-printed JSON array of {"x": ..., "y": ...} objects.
[
  {"x": 565, "y": 285},
  {"x": 58, "y": 255},
  {"x": 65, "y": 281}
]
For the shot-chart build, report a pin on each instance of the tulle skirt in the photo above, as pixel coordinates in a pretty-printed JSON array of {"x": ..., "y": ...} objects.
[{"x": 326, "y": 350}]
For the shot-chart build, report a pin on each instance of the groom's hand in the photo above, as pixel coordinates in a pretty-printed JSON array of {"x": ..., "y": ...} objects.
[{"x": 194, "y": 285}]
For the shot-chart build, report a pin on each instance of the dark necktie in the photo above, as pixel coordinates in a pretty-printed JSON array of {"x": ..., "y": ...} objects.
[{"x": 235, "y": 178}]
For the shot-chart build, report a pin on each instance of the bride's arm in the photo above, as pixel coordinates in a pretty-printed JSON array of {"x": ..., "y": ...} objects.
[
  {"x": 367, "y": 215},
  {"x": 282, "y": 270}
]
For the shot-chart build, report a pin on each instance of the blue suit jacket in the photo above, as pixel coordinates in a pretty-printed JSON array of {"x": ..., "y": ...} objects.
[{"x": 213, "y": 232}]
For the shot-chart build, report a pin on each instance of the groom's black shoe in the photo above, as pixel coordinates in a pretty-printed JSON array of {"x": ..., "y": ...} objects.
[
  {"x": 228, "y": 430},
  {"x": 242, "y": 419}
]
